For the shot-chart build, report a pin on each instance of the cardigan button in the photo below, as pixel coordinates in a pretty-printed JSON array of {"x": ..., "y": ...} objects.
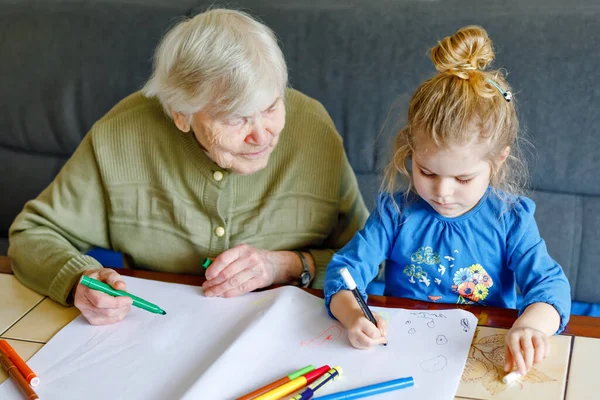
[
  {"x": 218, "y": 176},
  {"x": 219, "y": 231}
]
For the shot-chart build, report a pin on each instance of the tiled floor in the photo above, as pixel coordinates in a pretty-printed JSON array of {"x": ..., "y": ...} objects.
[{"x": 29, "y": 320}]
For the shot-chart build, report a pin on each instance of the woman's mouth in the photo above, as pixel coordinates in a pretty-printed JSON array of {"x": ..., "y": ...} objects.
[{"x": 256, "y": 154}]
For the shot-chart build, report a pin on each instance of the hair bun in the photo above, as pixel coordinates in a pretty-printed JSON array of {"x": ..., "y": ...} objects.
[{"x": 468, "y": 49}]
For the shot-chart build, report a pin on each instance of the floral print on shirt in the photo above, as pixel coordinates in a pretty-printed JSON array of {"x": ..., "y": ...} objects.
[
  {"x": 424, "y": 255},
  {"x": 472, "y": 284}
]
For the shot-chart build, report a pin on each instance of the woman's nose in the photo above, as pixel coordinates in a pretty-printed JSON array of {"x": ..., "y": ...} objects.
[{"x": 259, "y": 134}]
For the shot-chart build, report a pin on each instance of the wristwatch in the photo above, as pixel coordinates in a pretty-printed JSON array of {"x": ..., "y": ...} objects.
[{"x": 304, "y": 279}]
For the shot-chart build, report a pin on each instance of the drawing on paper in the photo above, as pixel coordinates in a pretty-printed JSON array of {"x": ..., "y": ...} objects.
[
  {"x": 441, "y": 340},
  {"x": 465, "y": 324},
  {"x": 434, "y": 364},
  {"x": 412, "y": 331},
  {"x": 330, "y": 334},
  {"x": 429, "y": 317},
  {"x": 385, "y": 315},
  {"x": 485, "y": 364}
]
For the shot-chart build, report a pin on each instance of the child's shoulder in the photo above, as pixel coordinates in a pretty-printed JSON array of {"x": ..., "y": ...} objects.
[
  {"x": 512, "y": 207},
  {"x": 396, "y": 204}
]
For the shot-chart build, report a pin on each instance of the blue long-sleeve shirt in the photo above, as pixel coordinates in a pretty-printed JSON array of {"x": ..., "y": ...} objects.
[{"x": 478, "y": 257}]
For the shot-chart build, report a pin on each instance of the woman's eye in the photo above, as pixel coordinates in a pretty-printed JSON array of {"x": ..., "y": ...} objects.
[
  {"x": 270, "y": 110},
  {"x": 236, "y": 121}
]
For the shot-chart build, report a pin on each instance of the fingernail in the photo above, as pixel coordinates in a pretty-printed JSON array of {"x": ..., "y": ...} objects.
[{"x": 208, "y": 294}]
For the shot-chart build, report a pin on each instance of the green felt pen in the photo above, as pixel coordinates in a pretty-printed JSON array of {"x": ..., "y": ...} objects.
[
  {"x": 105, "y": 288},
  {"x": 206, "y": 262}
]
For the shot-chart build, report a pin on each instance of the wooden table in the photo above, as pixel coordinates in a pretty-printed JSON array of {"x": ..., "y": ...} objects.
[{"x": 29, "y": 320}]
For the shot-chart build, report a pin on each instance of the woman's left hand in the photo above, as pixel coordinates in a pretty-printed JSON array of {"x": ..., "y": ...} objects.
[
  {"x": 239, "y": 270},
  {"x": 525, "y": 347}
]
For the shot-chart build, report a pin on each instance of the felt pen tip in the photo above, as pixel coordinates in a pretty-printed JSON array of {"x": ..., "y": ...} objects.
[{"x": 164, "y": 313}]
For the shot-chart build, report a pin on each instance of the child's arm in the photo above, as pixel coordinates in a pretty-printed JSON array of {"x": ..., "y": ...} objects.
[
  {"x": 361, "y": 332},
  {"x": 362, "y": 256},
  {"x": 527, "y": 342},
  {"x": 546, "y": 291}
]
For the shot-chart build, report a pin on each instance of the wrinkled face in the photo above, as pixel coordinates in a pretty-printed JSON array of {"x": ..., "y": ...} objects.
[
  {"x": 451, "y": 180},
  {"x": 242, "y": 143}
]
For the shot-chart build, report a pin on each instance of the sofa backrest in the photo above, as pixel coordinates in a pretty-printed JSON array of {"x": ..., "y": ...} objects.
[{"x": 64, "y": 64}]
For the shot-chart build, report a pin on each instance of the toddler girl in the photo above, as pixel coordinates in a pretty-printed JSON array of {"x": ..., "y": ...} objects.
[{"x": 460, "y": 233}]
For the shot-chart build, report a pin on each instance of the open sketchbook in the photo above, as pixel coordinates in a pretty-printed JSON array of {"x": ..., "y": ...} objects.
[{"x": 215, "y": 348}]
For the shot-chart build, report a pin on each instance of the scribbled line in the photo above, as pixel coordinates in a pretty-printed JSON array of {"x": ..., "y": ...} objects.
[
  {"x": 385, "y": 315},
  {"x": 330, "y": 334},
  {"x": 428, "y": 316},
  {"x": 465, "y": 324},
  {"x": 411, "y": 331},
  {"x": 435, "y": 364}
]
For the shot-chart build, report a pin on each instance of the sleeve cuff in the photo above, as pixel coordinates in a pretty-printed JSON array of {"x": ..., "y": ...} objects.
[
  {"x": 563, "y": 311},
  {"x": 321, "y": 258},
  {"x": 63, "y": 283}
]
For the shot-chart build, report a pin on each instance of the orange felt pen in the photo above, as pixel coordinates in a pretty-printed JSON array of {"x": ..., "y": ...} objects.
[
  {"x": 27, "y": 373},
  {"x": 15, "y": 374},
  {"x": 292, "y": 386}
]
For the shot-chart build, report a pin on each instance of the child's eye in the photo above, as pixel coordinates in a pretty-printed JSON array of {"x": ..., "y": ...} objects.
[
  {"x": 426, "y": 174},
  {"x": 464, "y": 181}
]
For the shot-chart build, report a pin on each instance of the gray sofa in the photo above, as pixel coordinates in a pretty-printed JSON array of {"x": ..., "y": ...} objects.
[{"x": 63, "y": 64}]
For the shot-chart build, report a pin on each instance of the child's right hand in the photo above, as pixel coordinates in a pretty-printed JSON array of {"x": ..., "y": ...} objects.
[{"x": 364, "y": 335}]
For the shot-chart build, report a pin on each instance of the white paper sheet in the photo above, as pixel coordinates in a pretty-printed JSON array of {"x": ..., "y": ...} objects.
[{"x": 214, "y": 348}]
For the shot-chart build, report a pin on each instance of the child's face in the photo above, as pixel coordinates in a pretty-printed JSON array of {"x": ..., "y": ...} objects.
[{"x": 451, "y": 180}]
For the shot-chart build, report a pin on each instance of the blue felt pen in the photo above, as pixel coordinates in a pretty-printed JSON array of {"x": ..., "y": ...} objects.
[
  {"x": 370, "y": 390},
  {"x": 361, "y": 302}
]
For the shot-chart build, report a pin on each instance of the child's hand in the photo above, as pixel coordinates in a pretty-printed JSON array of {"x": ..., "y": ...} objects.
[
  {"x": 364, "y": 335},
  {"x": 525, "y": 347}
]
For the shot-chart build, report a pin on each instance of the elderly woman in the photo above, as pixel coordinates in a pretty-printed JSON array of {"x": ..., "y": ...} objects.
[{"x": 215, "y": 157}]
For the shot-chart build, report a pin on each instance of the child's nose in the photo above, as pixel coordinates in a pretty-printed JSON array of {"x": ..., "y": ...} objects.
[{"x": 444, "y": 188}]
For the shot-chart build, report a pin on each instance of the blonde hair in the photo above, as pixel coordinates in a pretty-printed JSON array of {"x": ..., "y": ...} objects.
[
  {"x": 460, "y": 96},
  {"x": 221, "y": 61}
]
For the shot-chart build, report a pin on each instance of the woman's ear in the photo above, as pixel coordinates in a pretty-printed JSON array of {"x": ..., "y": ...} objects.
[{"x": 182, "y": 122}]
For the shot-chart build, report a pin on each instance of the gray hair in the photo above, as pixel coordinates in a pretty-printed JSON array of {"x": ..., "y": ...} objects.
[{"x": 221, "y": 61}]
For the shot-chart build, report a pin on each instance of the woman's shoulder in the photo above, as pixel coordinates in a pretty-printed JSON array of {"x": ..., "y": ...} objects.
[
  {"x": 134, "y": 116},
  {"x": 302, "y": 111},
  {"x": 134, "y": 103}
]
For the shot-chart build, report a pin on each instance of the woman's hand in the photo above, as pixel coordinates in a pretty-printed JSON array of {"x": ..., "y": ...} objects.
[
  {"x": 525, "y": 347},
  {"x": 97, "y": 307},
  {"x": 362, "y": 333},
  {"x": 243, "y": 269}
]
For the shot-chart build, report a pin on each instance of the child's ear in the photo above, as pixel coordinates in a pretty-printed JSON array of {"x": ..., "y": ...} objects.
[
  {"x": 182, "y": 122},
  {"x": 504, "y": 154}
]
